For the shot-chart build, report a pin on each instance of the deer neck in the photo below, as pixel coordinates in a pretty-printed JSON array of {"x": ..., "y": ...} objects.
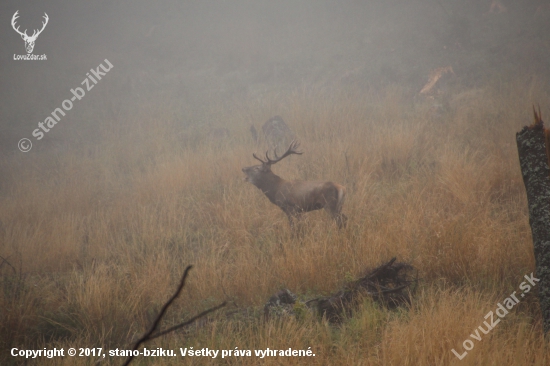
[{"x": 270, "y": 185}]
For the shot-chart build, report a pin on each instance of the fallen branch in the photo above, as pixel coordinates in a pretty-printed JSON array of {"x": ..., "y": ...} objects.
[
  {"x": 188, "y": 322},
  {"x": 4, "y": 260},
  {"x": 148, "y": 335}
]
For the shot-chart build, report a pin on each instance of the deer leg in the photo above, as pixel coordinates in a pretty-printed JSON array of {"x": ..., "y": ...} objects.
[
  {"x": 290, "y": 220},
  {"x": 341, "y": 220},
  {"x": 334, "y": 206},
  {"x": 337, "y": 216},
  {"x": 300, "y": 227},
  {"x": 295, "y": 220}
]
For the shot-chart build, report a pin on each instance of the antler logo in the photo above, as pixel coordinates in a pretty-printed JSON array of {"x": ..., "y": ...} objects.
[{"x": 29, "y": 41}]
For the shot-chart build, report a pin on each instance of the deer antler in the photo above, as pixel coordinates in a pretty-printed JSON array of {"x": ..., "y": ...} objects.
[
  {"x": 36, "y": 32},
  {"x": 255, "y": 157},
  {"x": 13, "y": 19},
  {"x": 291, "y": 150},
  {"x": 46, "y": 18}
]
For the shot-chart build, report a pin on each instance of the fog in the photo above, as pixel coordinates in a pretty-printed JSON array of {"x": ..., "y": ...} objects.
[
  {"x": 130, "y": 142},
  {"x": 188, "y": 52}
]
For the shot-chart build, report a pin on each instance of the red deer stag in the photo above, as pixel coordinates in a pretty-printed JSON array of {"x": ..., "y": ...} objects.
[{"x": 296, "y": 197}]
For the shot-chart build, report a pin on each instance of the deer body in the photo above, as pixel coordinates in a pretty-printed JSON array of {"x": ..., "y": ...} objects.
[{"x": 297, "y": 197}]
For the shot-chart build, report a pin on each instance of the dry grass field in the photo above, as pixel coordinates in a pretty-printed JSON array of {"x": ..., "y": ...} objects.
[{"x": 96, "y": 234}]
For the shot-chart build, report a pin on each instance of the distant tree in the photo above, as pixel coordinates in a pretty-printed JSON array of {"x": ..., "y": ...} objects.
[{"x": 277, "y": 134}]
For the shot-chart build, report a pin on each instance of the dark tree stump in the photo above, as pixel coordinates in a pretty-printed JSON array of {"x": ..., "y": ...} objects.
[{"x": 533, "y": 161}]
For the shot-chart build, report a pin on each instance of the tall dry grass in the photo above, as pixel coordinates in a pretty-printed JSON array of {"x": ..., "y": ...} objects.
[{"x": 98, "y": 234}]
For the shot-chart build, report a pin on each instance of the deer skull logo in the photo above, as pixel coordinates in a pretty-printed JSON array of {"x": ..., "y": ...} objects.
[{"x": 29, "y": 41}]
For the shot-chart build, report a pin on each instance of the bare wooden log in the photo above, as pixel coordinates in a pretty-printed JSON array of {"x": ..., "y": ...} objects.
[
  {"x": 533, "y": 161},
  {"x": 389, "y": 284}
]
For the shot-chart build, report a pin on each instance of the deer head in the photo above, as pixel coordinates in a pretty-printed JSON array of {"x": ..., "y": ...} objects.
[
  {"x": 29, "y": 41},
  {"x": 258, "y": 173}
]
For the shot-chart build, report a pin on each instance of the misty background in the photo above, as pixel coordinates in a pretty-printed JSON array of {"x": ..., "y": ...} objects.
[{"x": 182, "y": 55}]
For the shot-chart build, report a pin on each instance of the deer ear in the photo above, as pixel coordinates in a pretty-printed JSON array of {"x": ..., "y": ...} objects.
[{"x": 22, "y": 36}]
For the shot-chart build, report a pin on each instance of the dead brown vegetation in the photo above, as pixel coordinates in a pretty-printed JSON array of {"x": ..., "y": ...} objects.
[{"x": 98, "y": 236}]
